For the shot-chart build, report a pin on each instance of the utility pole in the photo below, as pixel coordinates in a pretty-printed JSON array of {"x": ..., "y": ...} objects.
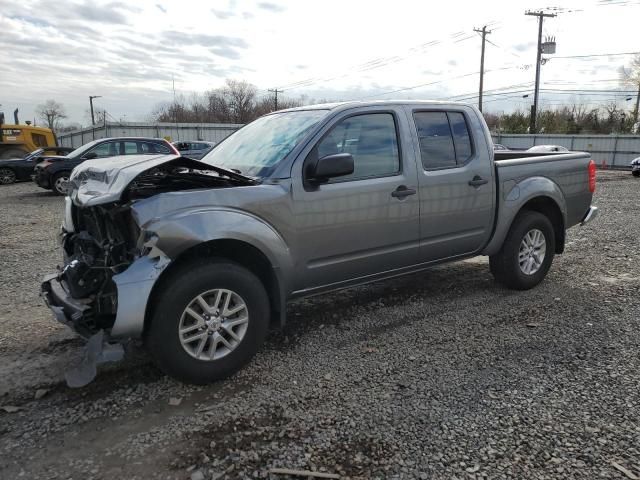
[
  {"x": 275, "y": 91},
  {"x": 484, "y": 33},
  {"x": 534, "y": 109},
  {"x": 91, "y": 97}
]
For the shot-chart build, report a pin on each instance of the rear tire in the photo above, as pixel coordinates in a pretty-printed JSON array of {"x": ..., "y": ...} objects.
[
  {"x": 59, "y": 181},
  {"x": 636, "y": 173},
  {"x": 7, "y": 176},
  {"x": 181, "y": 321},
  {"x": 527, "y": 252}
]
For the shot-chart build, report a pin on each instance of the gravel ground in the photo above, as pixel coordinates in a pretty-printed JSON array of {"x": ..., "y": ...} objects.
[{"x": 437, "y": 375}]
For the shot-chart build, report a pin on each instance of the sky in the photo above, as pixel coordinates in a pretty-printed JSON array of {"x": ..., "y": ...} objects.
[{"x": 132, "y": 54}]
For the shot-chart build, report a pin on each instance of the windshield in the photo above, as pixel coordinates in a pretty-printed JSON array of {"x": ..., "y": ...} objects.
[
  {"x": 255, "y": 150},
  {"x": 80, "y": 150},
  {"x": 34, "y": 154}
]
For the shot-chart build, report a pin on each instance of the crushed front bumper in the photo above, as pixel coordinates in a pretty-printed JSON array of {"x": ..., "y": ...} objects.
[
  {"x": 134, "y": 287},
  {"x": 67, "y": 310}
]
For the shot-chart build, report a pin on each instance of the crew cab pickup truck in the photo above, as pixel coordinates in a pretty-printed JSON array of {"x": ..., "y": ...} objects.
[{"x": 198, "y": 258}]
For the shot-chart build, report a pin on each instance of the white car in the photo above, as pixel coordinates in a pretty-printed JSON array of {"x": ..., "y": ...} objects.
[
  {"x": 635, "y": 167},
  {"x": 548, "y": 148}
]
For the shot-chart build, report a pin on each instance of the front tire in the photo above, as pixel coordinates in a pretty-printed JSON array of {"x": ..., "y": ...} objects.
[
  {"x": 209, "y": 321},
  {"x": 635, "y": 173},
  {"x": 527, "y": 252},
  {"x": 59, "y": 183}
]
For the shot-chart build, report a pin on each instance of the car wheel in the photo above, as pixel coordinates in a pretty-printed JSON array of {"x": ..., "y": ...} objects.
[
  {"x": 527, "y": 252},
  {"x": 636, "y": 173},
  {"x": 7, "y": 176},
  {"x": 60, "y": 183},
  {"x": 208, "y": 322}
]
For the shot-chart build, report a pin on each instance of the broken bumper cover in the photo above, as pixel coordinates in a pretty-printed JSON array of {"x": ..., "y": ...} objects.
[
  {"x": 66, "y": 309},
  {"x": 134, "y": 287}
]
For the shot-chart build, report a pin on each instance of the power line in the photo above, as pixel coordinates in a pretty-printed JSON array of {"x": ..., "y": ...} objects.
[
  {"x": 379, "y": 62},
  {"x": 431, "y": 83},
  {"x": 597, "y": 55}
]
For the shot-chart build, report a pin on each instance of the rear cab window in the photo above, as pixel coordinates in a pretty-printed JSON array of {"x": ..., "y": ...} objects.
[{"x": 444, "y": 139}]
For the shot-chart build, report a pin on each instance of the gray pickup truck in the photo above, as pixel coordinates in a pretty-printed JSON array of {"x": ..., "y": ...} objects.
[{"x": 198, "y": 258}]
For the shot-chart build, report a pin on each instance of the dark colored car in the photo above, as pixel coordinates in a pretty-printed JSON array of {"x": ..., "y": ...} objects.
[
  {"x": 20, "y": 169},
  {"x": 195, "y": 150},
  {"x": 53, "y": 173}
]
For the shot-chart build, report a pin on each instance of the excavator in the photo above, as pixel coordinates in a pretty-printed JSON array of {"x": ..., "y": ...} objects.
[{"x": 17, "y": 140}]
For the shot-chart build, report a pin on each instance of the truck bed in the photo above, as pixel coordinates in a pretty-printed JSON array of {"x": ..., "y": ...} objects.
[{"x": 523, "y": 174}]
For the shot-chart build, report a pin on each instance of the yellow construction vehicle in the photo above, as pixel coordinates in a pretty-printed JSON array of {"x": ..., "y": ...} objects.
[{"x": 17, "y": 140}]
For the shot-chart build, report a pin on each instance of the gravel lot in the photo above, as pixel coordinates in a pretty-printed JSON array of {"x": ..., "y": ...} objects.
[{"x": 437, "y": 375}]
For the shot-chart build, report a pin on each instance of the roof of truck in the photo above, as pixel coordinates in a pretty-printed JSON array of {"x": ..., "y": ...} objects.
[{"x": 359, "y": 103}]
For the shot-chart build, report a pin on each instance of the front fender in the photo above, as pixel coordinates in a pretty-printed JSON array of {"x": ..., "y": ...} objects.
[
  {"x": 183, "y": 229},
  {"x": 514, "y": 196}
]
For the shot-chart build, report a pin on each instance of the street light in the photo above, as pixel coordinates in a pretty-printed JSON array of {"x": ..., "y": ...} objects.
[{"x": 91, "y": 97}]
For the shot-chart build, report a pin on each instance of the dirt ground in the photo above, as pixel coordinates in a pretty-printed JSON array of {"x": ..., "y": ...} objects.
[{"x": 438, "y": 375}]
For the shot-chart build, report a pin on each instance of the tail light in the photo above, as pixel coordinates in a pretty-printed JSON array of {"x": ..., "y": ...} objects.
[{"x": 592, "y": 176}]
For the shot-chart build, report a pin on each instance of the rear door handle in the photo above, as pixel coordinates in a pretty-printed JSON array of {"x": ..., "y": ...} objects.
[
  {"x": 402, "y": 191},
  {"x": 477, "y": 181}
]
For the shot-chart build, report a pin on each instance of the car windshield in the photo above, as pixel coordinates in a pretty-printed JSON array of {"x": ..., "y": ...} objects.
[
  {"x": 80, "y": 150},
  {"x": 255, "y": 150},
  {"x": 34, "y": 154}
]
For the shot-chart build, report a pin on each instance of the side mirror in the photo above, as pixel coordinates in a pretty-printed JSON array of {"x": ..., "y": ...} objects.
[
  {"x": 331, "y": 166},
  {"x": 90, "y": 155}
]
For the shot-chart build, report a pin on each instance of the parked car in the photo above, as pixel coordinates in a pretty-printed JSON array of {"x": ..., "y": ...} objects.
[
  {"x": 53, "y": 172},
  {"x": 635, "y": 167},
  {"x": 498, "y": 147},
  {"x": 548, "y": 148},
  {"x": 195, "y": 150},
  {"x": 20, "y": 169},
  {"x": 198, "y": 259}
]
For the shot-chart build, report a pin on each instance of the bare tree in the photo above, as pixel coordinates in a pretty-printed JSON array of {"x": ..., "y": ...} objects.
[
  {"x": 51, "y": 112},
  {"x": 630, "y": 77},
  {"x": 240, "y": 96}
]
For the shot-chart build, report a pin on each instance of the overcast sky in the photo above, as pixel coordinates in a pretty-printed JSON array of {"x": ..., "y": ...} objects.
[{"x": 128, "y": 52}]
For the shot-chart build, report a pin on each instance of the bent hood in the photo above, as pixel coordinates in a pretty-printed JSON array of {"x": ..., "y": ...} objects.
[{"x": 100, "y": 181}]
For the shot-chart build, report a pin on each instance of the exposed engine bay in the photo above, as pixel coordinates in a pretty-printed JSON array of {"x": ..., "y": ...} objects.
[{"x": 183, "y": 174}]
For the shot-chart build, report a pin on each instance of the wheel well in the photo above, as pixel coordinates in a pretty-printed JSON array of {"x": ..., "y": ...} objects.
[
  {"x": 60, "y": 172},
  {"x": 236, "y": 251},
  {"x": 549, "y": 208}
]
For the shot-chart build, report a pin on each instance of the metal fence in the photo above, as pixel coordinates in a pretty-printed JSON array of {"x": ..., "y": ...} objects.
[
  {"x": 211, "y": 132},
  {"x": 608, "y": 151}
]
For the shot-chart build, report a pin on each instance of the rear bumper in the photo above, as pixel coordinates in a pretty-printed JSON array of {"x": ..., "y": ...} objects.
[{"x": 591, "y": 214}]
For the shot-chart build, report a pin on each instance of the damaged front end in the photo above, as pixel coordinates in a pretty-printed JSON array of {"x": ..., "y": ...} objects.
[
  {"x": 110, "y": 263},
  {"x": 107, "y": 274}
]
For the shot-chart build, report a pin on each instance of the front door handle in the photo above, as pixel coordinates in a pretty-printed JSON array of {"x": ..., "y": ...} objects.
[
  {"x": 403, "y": 191},
  {"x": 477, "y": 181}
]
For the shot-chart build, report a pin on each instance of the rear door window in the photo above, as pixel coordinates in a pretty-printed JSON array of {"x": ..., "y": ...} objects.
[
  {"x": 148, "y": 147},
  {"x": 130, "y": 148},
  {"x": 461, "y": 137},
  {"x": 444, "y": 139}
]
